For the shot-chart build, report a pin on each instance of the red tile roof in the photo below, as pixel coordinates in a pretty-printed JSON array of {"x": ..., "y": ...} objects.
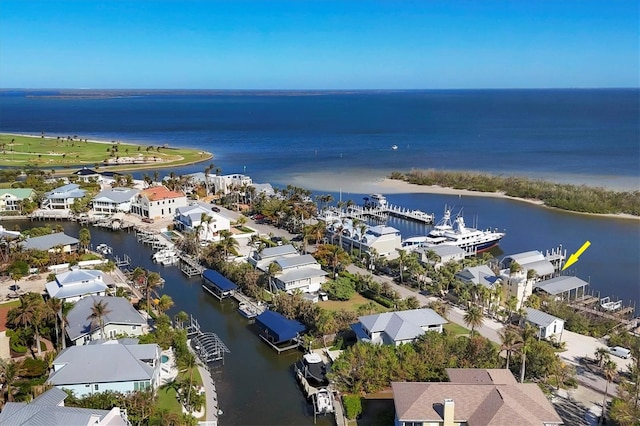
[{"x": 160, "y": 193}]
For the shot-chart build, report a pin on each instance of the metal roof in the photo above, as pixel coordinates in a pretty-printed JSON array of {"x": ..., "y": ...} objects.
[
  {"x": 117, "y": 195},
  {"x": 522, "y": 258},
  {"x": 76, "y": 283},
  {"x": 539, "y": 318},
  {"x": 277, "y": 251},
  {"x": 71, "y": 190},
  {"x": 120, "y": 312},
  {"x": 106, "y": 363},
  {"x": 47, "y": 242},
  {"x": 218, "y": 280},
  {"x": 291, "y": 262},
  {"x": 20, "y": 193},
  {"x": 560, "y": 284},
  {"x": 300, "y": 274},
  {"x": 283, "y": 329},
  {"x": 478, "y": 275},
  {"x": 393, "y": 323}
]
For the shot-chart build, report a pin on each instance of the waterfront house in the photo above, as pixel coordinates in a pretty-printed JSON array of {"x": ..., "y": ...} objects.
[
  {"x": 200, "y": 217},
  {"x": 58, "y": 241},
  {"x": 86, "y": 174},
  {"x": 110, "y": 366},
  {"x": 62, "y": 198},
  {"x": 547, "y": 325},
  {"x": 533, "y": 267},
  {"x": 301, "y": 273},
  {"x": 72, "y": 285},
  {"x": 262, "y": 259},
  {"x": 114, "y": 200},
  {"x": 440, "y": 255},
  {"x": 472, "y": 397},
  {"x": 384, "y": 240},
  {"x": 48, "y": 409},
  {"x": 12, "y": 198},
  {"x": 158, "y": 202},
  {"x": 396, "y": 328},
  {"x": 121, "y": 319}
]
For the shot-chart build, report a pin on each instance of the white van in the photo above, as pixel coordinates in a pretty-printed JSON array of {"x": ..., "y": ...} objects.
[{"x": 620, "y": 351}]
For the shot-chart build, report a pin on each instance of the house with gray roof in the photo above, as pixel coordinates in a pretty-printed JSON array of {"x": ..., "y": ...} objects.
[
  {"x": 62, "y": 198},
  {"x": 114, "y": 200},
  {"x": 111, "y": 366},
  {"x": 262, "y": 259},
  {"x": 48, "y": 409},
  {"x": 547, "y": 325},
  {"x": 300, "y": 272},
  {"x": 50, "y": 243},
  {"x": 395, "y": 328},
  {"x": 72, "y": 285},
  {"x": 10, "y": 198},
  {"x": 481, "y": 274},
  {"x": 121, "y": 319},
  {"x": 562, "y": 287},
  {"x": 442, "y": 254}
]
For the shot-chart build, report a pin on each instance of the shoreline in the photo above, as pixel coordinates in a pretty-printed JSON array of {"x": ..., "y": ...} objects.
[
  {"x": 124, "y": 167},
  {"x": 353, "y": 183}
]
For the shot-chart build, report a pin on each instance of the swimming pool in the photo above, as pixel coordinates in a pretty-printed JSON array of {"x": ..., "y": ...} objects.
[{"x": 164, "y": 359}]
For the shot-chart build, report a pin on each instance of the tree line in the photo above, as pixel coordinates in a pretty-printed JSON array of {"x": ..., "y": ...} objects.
[{"x": 578, "y": 198}]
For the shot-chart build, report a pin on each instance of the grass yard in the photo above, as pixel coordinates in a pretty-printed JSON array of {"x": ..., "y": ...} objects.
[
  {"x": 167, "y": 395},
  {"x": 350, "y": 305},
  {"x": 52, "y": 153},
  {"x": 456, "y": 330}
]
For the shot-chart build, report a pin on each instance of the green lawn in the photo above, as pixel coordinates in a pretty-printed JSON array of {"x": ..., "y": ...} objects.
[
  {"x": 456, "y": 330},
  {"x": 350, "y": 305},
  {"x": 12, "y": 304},
  {"x": 167, "y": 395},
  {"x": 49, "y": 153}
]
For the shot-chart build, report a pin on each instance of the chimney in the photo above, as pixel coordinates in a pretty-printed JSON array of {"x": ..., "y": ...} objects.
[{"x": 448, "y": 412}]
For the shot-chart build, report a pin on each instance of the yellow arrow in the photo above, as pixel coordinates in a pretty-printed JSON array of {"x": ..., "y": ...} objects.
[{"x": 574, "y": 257}]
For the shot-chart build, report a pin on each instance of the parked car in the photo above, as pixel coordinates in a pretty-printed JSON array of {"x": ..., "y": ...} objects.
[
  {"x": 147, "y": 220},
  {"x": 620, "y": 352}
]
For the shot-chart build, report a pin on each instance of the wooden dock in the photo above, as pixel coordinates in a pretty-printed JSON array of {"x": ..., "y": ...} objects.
[
  {"x": 381, "y": 214},
  {"x": 252, "y": 306},
  {"x": 189, "y": 266}
]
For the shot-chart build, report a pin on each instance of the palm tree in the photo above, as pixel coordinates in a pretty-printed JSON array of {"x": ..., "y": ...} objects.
[
  {"x": 180, "y": 318},
  {"x": 272, "y": 270},
  {"x": 602, "y": 356},
  {"x": 9, "y": 373},
  {"x": 610, "y": 372},
  {"x": 402, "y": 260},
  {"x": 511, "y": 341},
  {"x": 98, "y": 312},
  {"x": 473, "y": 317},
  {"x": 29, "y": 314},
  {"x": 527, "y": 335},
  {"x": 187, "y": 362},
  {"x": 152, "y": 282},
  {"x": 164, "y": 303},
  {"x": 84, "y": 238},
  {"x": 228, "y": 243},
  {"x": 55, "y": 307}
]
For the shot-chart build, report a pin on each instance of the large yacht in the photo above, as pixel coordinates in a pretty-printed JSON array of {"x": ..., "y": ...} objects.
[{"x": 457, "y": 234}]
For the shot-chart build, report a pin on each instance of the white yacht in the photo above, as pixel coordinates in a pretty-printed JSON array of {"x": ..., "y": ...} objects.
[
  {"x": 375, "y": 201},
  {"x": 457, "y": 234},
  {"x": 165, "y": 256}
]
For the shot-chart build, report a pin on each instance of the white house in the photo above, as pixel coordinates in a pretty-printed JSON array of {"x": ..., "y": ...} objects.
[
  {"x": 11, "y": 198},
  {"x": 190, "y": 218},
  {"x": 72, "y": 285},
  {"x": 158, "y": 202},
  {"x": 110, "y": 366},
  {"x": 547, "y": 325},
  {"x": 48, "y": 409},
  {"x": 114, "y": 200},
  {"x": 51, "y": 242},
  {"x": 226, "y": 183},
  {"x": 62, "y": 198},
  {"x": 121, "y": 318},
  {"x": 262, "y": 259},
  {"x": 534, "y": 267},
  {"x": 396, "y": 328},
  {"x": 385, "y": 240},
  {"x": 442, "y": 254},
  {"x": 300, "y": 272},
  {"x": 86, "y": 174}
]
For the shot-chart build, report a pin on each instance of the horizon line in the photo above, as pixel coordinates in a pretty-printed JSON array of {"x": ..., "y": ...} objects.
[{"x": 3, "y": 89}]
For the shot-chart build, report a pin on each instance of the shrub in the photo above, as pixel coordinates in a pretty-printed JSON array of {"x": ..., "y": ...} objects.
[
  {"x": 352, "y": 405},
  {"x": 387, "y": 303},
  {"x": 33, "y": 367}
]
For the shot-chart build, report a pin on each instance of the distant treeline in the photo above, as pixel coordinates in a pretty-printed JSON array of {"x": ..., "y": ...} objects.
[{"x": 577, "y": 198}]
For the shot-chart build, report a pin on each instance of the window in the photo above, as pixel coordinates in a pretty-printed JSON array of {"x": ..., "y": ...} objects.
[{"x": 95, "y": 387}]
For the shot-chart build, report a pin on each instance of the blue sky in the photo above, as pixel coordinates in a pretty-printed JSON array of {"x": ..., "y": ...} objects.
[{"x": 307, "y": 44}]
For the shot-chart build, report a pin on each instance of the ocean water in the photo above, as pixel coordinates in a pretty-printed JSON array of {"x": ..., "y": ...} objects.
[
  {"x": 581, "y": 136},
  {"x": 567, "y": 135}
]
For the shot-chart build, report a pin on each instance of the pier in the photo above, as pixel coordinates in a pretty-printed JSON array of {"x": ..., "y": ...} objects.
[
  {"x": 189, "y": 266},
  {"x": 380, "y": 214}
]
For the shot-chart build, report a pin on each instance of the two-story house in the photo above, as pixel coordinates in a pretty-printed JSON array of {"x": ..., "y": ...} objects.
[
  {"x": 114, "y": 200},
  {"x": 73, "y": 285},
  {"x": 63, "y": 197},
  {"x": 201, "y": 218},
  {"x": 11, "y": 198},
  {"x": 300, "y": 272},
  {"x": 158, "y": 202}
]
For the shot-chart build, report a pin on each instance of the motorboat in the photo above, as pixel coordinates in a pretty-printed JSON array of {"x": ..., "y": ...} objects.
[
  {"x": 471, "y": 240},
  {"x": 314, "y": 369},
  {"x": 165, "y": 256},
  {"x": 394, "y": 147},
  {"x": 375, "y": 201},
  {"x": 104, "y": 249},
  {"x": 323, "y": 401}
]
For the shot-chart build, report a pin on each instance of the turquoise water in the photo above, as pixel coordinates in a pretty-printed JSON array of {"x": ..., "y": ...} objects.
[{"x": 164, "y": 359}]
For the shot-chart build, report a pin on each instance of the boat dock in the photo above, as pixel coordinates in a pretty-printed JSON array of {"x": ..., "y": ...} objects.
[
  {"x": 248, "y": 307},
  {"x": 189, "y": 266},
  {"x": 207, "y": 345},
  {"x": 380, "y": 214}
]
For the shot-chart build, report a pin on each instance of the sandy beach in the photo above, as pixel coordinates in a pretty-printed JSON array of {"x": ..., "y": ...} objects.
[{"x": 359, "y": 184}]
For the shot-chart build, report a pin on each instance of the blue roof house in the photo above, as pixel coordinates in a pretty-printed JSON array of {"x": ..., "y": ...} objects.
[{"x": 62, "y": 198}]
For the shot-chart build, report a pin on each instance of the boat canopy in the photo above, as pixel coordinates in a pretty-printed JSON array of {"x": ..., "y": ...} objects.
[
  {"x": 218, "y": 280},
  {"x": 278, "y": 327}
]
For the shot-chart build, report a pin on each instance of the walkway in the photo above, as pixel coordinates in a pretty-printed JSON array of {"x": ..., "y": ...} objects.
[{"x": 211, "y": 394}]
